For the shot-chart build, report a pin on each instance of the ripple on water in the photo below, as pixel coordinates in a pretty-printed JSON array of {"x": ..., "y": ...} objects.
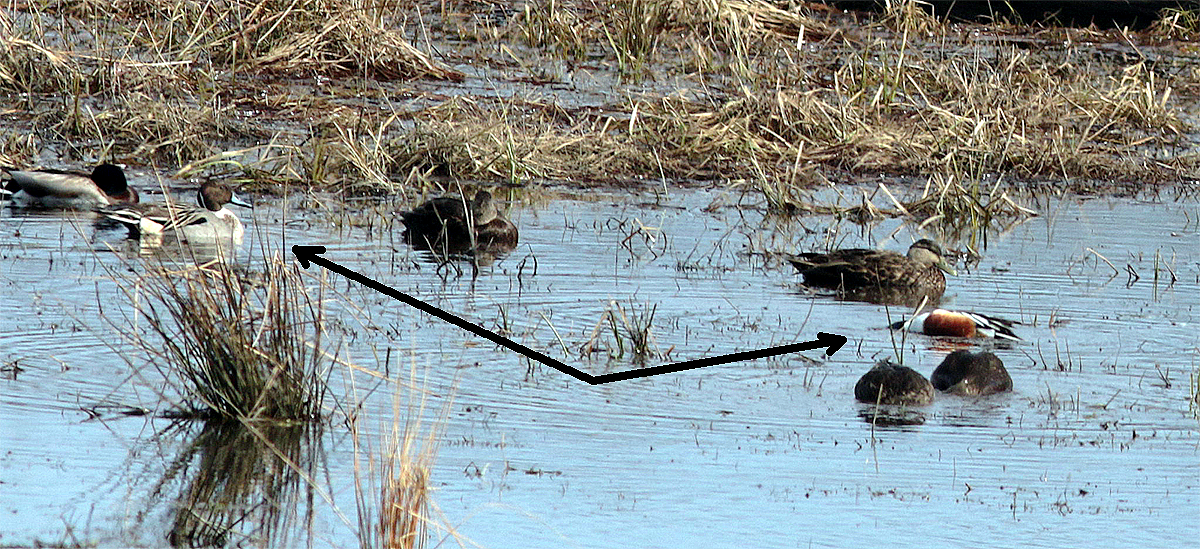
[{"x": 1092, "y": 438}]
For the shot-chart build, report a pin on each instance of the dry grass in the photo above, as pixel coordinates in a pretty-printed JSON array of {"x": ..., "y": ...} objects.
[
  {"x": 964, "y": 116},
  {"x": 1177, "y": 24},
  {"x": 517, "y": 141},
  {"x": 731, "y": 89},
  {"x": 165, "y": 78},
  {"x": 393, "y": 489}
]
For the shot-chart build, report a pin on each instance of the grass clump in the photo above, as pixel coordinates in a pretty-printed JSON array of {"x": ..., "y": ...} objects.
[
  {"x": 517, "y": 141},
  {"x": 234, "y": 346},
  {"x": 631, "y": 330},
  {"x": 393, "y": 489}
]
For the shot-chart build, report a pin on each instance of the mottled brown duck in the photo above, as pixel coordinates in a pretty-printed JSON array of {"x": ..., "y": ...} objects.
[
  {"x": 877, "y": 275},
  {"x": 450, "y": 225}
]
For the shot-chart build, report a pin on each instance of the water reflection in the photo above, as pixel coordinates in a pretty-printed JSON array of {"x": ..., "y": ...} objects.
[
  {"x": 891, "y": 416},
  {"x": 240, "y": 483}
]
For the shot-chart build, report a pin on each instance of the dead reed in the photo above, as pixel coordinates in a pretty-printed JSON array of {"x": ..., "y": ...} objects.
[
  {"x": 738, "y": 89},
  {"x": 233, "y": 345},
  {"x": 1194, "y": 390},
  {"x": 393, "y": 488},
  {"x": 1177, "y": 24}
]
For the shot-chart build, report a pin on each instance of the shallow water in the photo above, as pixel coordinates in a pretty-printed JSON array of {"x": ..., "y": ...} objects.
[{"x": 1097, "y": 443}]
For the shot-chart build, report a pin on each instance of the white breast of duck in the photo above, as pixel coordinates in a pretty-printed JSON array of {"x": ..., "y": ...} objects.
[{"x": 210, "y": 221}]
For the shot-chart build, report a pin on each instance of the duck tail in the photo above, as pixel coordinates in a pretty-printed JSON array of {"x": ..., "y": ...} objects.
[{"x": 991, "y": 326}]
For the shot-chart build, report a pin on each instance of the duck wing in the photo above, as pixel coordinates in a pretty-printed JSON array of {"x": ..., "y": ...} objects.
[
  {"x": 43, "y": 183},
  {"x": 990, "y": 326},
  {"x": 852, "y": 267},
  {"x": 157, "y": 218}
]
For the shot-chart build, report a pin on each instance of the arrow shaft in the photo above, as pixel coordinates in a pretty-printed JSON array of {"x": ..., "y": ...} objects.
[
  {"x": 546, "y": 359},
  {"x": 710, "y": 361},
  {"x": 452, "y": 319}
]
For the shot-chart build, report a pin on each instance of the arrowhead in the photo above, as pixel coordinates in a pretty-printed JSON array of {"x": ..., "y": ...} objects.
[
  {"x": 834, "y": 342},
  {"x": 304, "y": 253}
]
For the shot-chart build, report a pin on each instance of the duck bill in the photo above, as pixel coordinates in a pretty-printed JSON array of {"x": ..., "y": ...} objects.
[
  {"x": 941, "y": 264},
  {"x": 237, "y": 201}
]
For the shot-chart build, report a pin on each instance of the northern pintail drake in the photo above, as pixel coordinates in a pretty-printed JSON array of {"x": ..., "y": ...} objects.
[
  {"x": 941, "y": 322},
  {"x": 971, "y": 374},
  {"x": 452, "y": 225},
  {"x": 858, "y": 268},
  {"x": 106, "y": 186},
  {"x": 210, "y": 221},
  {"x": 891, "y": 383}
]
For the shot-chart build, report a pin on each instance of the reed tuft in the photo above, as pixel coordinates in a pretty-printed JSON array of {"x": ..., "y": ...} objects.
[{"x": 234, "y": 346}]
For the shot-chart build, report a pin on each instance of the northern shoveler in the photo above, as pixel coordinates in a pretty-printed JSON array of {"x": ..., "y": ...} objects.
[
  {"x": 451, "y": 225},
  {"x": 210, "y": 221},
  {"x": 106, "y": 186},
  {"x": 966, "y": 373},
  {"x": 890, "y": 383},
  {"x": 859, "y": 268},
  {"x": 940, "y": 322}
]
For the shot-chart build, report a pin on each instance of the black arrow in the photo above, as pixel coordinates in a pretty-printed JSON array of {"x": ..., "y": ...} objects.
[{"x": 312, "y": 254}]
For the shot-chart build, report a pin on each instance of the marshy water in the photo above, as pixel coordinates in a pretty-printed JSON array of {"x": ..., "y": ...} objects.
[{"x": 1098, "y": 443}]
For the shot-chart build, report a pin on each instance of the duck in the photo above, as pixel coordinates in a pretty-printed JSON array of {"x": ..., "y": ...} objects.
[
  {"x": 942, "y": 322},
  {"x": 891, "y": 383},
  {"x": 208, "y": 222},
  {"x": 859, "y": 268},
  {"x": 971, "y": 374},
  {"x": 451, "y": 225},
  {"x": 106, "y": 186}
]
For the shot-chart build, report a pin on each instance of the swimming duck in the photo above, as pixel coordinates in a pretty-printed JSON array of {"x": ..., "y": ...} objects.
[
  {"x": 900, "y": 385},
  {"x": 857, "y": 268},
  {"x": 451, "y": 225},
  {"x": 940, "y": 322},
  {"x": 106, "y": 186},
  {"x": 970, "y": 374},
  {"x": 208, "y": 222}
]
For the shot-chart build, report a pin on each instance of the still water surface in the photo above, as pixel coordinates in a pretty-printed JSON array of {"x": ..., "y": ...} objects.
[{"x": 1096, "y": 445}]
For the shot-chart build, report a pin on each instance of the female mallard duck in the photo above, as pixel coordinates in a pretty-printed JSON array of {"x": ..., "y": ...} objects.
[
  {"x": 858, "y": 268},
  {"x": 106, "y": 186},
  {"x": 451, "y": 225},
  {"x": 970, "y": 374},
  {"x": 940, "y": 322},
  {"x": 890, "y": 383}
]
